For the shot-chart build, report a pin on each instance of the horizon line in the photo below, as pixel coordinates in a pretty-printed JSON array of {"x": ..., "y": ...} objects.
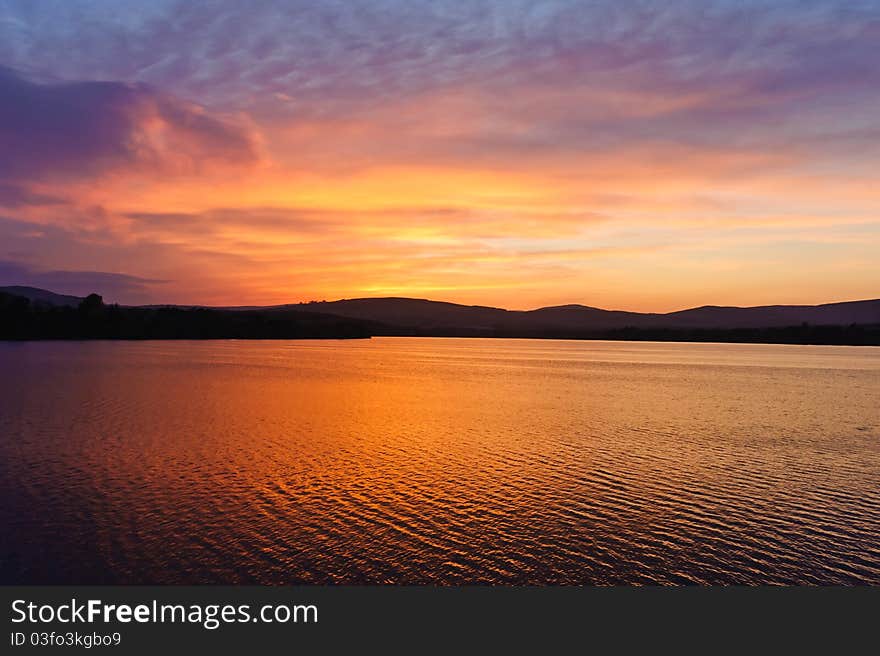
[{"x": 430, "y": 300}]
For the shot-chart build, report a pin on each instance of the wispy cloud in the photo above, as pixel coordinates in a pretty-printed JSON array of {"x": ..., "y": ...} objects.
[{"x": 80, "y": 129}]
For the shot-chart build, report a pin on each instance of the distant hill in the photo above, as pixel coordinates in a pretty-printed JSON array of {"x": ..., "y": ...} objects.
[
  {"x": 853, "y": 312},
  {"x": 854, "y": 322},
  {"x": 414, "y": 313},
  {"x": 427, "y": 317},
  {"x": 36, "y": 295}
]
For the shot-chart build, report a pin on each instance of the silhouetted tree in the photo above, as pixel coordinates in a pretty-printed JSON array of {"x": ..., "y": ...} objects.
[{"x": 91, "y": 303}]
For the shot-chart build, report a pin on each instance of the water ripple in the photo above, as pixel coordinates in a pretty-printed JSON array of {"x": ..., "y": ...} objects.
[{"x": 439, "y": 462}]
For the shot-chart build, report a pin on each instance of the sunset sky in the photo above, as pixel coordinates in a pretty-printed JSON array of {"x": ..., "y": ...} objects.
[{"x": 518, "y": 153}]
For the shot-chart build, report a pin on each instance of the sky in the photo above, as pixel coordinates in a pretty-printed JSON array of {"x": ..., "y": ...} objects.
[{"x": 645, "y": 156}]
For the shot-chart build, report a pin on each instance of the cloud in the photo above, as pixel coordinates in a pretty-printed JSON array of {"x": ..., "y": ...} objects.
[
  {"x": 78, "y": 283},
  {"x": 487, "y": 148},
  {"x": 298, "y": 51},
  {"x": 16, "y": 196},
  {"x": 482, "y": 81},
  {"x": 77, "y": 129}
]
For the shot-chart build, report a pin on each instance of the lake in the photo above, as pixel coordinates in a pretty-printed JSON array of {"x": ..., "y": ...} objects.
[{"x": 439, "y": 461}]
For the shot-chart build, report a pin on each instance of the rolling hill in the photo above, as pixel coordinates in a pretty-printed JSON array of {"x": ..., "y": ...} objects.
[
  {"x": 36, "y": 295},
  {"x": 426, "y": 317},
  {"x": 854, "y": 322}
]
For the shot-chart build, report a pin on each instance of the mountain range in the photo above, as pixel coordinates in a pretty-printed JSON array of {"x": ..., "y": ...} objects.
[
  {"x": 428, "y": 317},
  {"x": 410, "y": 316}
]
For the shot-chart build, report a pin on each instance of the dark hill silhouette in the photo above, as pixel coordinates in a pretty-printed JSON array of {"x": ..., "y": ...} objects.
[
  {"x": 855, "y": 322},
  {"x": 20, "y": 318},
  {"x": 858, "y": 312},
  {"x": 408, "y": 313},
  {"x": 426, "y": 316},
  {"x": 36, "y": 295}
]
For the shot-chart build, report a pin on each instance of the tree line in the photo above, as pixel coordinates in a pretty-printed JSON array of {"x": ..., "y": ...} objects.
[{"x": 93, "y": 319}]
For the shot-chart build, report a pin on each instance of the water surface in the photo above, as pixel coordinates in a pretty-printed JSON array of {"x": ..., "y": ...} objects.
[{"x": 438, "y": 461}]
